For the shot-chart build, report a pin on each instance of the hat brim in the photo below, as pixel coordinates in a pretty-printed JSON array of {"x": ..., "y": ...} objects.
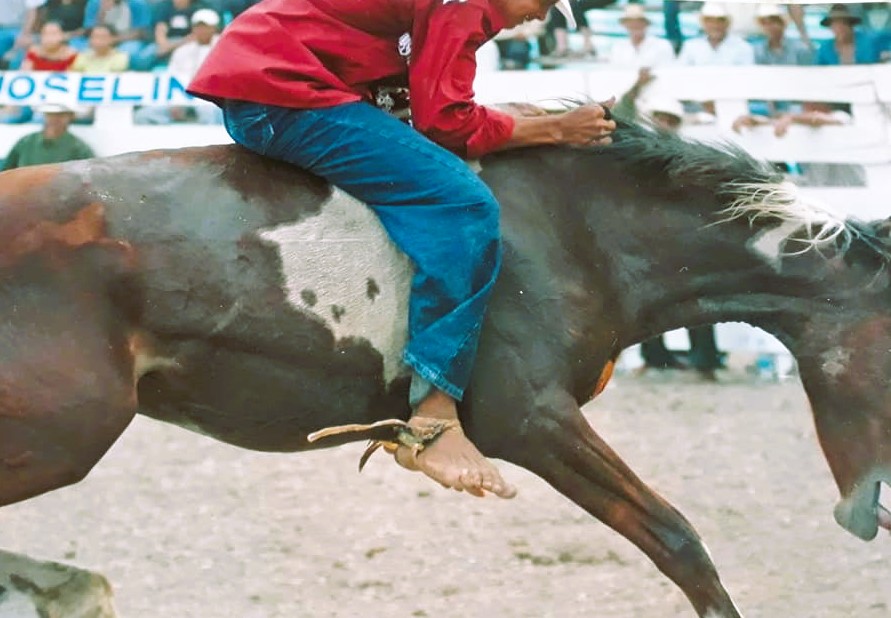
[
  {"x": 53, "y": 108},
  {"x": 566, "y": 10},
  {"x": 642, "y": 18},
  {"x": 851, "y": 19}
]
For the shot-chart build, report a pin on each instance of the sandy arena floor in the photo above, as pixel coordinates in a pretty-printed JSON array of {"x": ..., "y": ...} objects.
[{"x": 184, "y": 526}]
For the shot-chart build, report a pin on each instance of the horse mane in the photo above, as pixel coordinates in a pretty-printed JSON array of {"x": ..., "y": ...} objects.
[{"x": 746, "y": 188}]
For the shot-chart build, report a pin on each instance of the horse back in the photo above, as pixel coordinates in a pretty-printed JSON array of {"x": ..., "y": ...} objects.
[{"x": 246, "y": 267}]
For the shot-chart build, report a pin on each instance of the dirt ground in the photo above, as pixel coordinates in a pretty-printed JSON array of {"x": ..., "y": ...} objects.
[{"x": 184, "y": 526}]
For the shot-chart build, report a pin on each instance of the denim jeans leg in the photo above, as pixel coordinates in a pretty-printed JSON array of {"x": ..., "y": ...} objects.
[{"x": 435, "y": 209}]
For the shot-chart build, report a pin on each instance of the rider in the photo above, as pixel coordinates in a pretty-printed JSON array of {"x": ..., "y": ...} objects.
[{"x": 295, "y": 80}]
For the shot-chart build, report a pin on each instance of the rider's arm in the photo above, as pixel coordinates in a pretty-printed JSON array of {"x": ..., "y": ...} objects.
[{"x": 441, "y": 76}]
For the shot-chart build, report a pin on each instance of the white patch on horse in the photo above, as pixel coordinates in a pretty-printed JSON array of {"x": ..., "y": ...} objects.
[
  {"x": 770, "y": 242},
  {"x": 341, "y": 266},
  {"x": 835, "y": 362}
]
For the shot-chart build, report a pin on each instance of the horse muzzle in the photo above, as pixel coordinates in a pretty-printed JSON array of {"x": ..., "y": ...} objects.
[{"x": 861, "y": 512}]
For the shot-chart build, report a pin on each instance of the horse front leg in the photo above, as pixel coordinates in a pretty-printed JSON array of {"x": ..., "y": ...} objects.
[{"x": 558, "y": 444}]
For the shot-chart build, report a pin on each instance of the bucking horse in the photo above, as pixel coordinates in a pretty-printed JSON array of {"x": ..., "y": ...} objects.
[{"x": 244, "y": 299}]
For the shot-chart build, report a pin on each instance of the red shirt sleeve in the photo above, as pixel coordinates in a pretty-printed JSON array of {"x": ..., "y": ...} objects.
[{"x": 441, "y": 77}]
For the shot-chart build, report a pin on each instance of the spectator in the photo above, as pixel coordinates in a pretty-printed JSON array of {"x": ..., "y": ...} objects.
[
  {"x": 69, "y": 14},
  {"x": 131, "y": 19},
  {"x": 52, "y": 54},
  {"x": 54, "y": 144},
  {"x": 776, "y": 48},
  {"x": 639, "y": 49},
  {"x": 558, "y": 24},
  {"x": 848, "y": 46},
  {"x": 717, "y": 47},
  {"x": 172, "y": 26},
  {"x": 13, "y": 14},
  {"x": 814, "y": 114},
  {"x": 184, "y": 63},
  {"x": 515, "y": 45},
  {"x": 101, "y": 57}
]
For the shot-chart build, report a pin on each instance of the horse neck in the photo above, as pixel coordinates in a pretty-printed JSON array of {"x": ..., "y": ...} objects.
[{"x": 681, "y": 267}]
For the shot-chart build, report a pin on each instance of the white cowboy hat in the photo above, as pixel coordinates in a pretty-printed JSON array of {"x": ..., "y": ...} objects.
[
  {"x": 206, "y": 16},
  {"x": 714, "y": 9},
  {"x": 634, "y": 12},
  {"x": 564, "y": 7},
  {"x": 769, "y": 10},
  {"x": 662, "y": 105},
  {"x": 57, "y": 107}
]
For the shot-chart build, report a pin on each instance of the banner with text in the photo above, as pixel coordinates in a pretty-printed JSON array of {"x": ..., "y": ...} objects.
[{"x": 87, "y": 90}]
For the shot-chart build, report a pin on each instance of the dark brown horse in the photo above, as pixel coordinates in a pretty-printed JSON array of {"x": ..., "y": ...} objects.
[{"x": 243, "y": 299}]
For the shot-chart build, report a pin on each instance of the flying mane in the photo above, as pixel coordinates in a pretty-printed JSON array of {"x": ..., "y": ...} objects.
[{"x": 748, "y": 189}]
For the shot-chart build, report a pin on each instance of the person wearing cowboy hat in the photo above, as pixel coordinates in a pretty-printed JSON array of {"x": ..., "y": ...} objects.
[
  {"x": 776, "y": 48},
  {"x": 717, "y": 46},
  {"x": 848, "y": 45},
  {"x": 639, "y": 49},
  {"x": 54, "y": 144}
]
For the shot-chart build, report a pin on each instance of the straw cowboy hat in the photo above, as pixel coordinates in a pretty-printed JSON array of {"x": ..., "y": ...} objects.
[
  {"x": 634, "y": 12},
  {"x": 840, "y": 11}
]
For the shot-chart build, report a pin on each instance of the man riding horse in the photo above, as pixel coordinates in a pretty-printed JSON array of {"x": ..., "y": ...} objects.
[{"x": 295, "y": 80}]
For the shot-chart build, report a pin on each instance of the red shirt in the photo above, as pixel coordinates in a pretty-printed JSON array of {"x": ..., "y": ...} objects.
[
  {"x": 321, "y": 53},
  {"x": 40, "y": 63}
]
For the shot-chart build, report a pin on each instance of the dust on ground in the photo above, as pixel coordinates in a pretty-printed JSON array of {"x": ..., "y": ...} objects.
[{"x": 184, "y": 526}]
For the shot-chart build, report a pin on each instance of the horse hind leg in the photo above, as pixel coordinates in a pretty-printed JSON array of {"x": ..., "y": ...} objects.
[
  {"x": 561, "y": 447},
  {"x": 51, "y": 435},
  {"x": 67, "y": 392}
]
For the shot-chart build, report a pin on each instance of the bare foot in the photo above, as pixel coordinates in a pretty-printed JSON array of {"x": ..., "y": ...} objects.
[{"x": 452, "y": 460}]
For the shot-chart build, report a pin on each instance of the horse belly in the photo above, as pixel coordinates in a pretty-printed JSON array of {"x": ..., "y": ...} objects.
[{"x": 341, "y": 267}]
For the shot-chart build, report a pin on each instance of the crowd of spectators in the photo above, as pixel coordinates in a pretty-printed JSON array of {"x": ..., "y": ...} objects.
[
  {"x": 102, "y": 36},
  {"x": 108, "y": 36},
  {"x": 731, "y": 34}
]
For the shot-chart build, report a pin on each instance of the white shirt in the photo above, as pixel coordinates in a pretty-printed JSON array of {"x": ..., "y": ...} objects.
[
  {"x": 652, "y": 52},
  {"x": 733, "y": 50},
  {"x": 187, "y": 58}
]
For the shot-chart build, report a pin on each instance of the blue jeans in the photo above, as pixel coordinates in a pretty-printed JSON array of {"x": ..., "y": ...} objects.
[{"x": 435, "y": 209}]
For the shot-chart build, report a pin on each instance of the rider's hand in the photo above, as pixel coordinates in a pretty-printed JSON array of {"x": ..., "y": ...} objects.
[{"x": 587, "y": 125}]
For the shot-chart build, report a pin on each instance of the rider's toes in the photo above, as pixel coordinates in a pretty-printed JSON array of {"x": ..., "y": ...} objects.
[
  {"x": 472, "y": 481},
  {"x": 495, "y": 484},
  {"x": 471, "y": 478}
]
